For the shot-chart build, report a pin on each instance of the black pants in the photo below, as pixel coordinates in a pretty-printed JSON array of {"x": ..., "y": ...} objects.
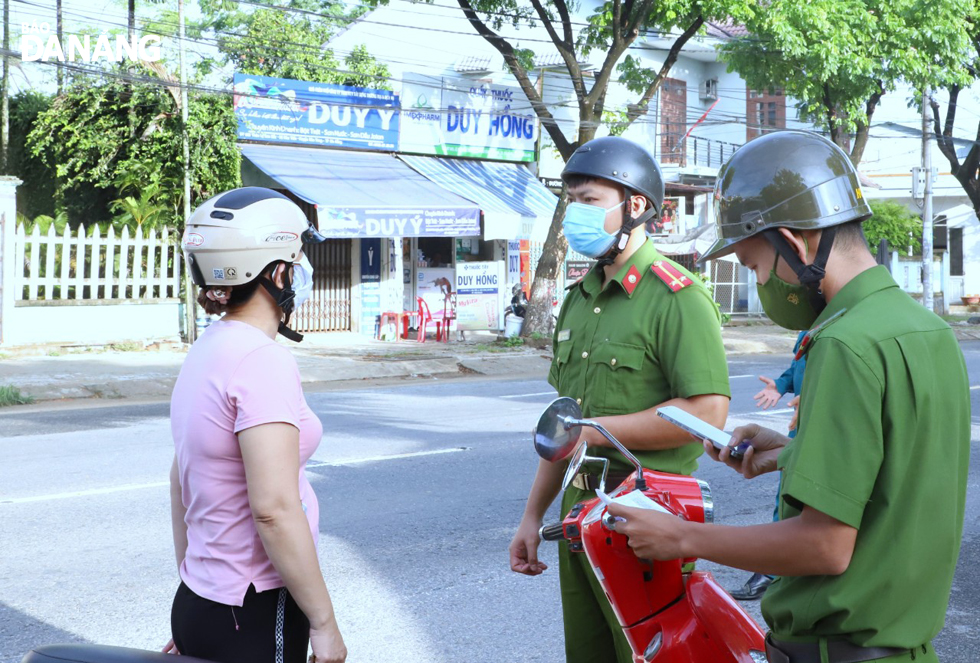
[{"x": 268, "y": 628}]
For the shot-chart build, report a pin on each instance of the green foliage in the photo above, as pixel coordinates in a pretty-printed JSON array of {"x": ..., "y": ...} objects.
[
  {"x": 833, "y": 56},
  {"x": 124, "y": 136},
  {"x": 145, "y": 206},
  {"x": 36, "y": 195},
  {"x": 10, "y": 395},
  {"x": 364, "y": 71},
  {"x": 616, "y": 121},
  {"x": 44, "y": 223},
  {"x": 894, "y": 223},
  {"x": 276, "y": 42},
  {"x": 112, "y": 149}
]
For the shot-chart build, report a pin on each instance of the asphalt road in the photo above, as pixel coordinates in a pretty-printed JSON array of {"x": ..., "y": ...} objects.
[{"x": 421, "y": 485}]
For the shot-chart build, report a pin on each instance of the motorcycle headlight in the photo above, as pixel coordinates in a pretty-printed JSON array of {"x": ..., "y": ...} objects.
[
  {"x": 709, "y": 503},
  {"x": 654, "y": 647}
]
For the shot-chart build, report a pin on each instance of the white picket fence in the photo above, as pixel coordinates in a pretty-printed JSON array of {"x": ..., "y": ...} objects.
[{"x": 75, "y": 266}]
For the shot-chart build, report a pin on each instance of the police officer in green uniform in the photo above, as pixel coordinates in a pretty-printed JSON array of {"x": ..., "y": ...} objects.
[
  {"x": 636, "y": 332},
  {"x": 874, "y": 484}
]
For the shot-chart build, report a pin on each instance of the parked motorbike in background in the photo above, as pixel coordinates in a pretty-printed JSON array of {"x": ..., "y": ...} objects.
[{"x": 667, "y": 614}]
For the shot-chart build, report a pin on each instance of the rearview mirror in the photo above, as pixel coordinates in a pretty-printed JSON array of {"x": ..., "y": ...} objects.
[{"x": 553, "y": 440}]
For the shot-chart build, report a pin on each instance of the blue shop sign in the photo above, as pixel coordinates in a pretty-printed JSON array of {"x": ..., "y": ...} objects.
[
  {"x": 393, "y": 222},
  {"x": 287, "y": 111}
]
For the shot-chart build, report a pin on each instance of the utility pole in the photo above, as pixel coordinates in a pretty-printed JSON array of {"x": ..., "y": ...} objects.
[
  {"x": 59, "y": 70},
  {"x": 5, "y": 91},
  {"x": 926, "y": 206},
  {"x": 190, "y": 303}
]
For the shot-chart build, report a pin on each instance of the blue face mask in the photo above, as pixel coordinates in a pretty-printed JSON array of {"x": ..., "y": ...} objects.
[{"x": 585, "y": 228}]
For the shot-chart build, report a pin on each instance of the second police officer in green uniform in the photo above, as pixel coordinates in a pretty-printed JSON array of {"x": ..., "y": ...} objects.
[
  {"x": 874, "y": 484},
  {"x": 636, "y": 332}
]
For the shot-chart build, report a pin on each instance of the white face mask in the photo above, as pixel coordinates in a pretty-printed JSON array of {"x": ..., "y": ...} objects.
[{"x": 302, "y": 281}]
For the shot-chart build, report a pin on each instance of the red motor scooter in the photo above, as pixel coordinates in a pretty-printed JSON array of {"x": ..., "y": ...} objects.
[{"x": 668, "y": 616}]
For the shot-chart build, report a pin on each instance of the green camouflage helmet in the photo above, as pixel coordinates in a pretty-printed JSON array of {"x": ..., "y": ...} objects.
[{"x": 785, "y": 179}]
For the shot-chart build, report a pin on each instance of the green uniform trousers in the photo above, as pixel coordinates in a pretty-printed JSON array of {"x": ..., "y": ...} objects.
[{"x": 592, "y": 632}]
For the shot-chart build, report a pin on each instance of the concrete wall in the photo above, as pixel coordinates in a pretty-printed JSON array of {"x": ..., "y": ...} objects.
[{"x": 93, "y": 321}]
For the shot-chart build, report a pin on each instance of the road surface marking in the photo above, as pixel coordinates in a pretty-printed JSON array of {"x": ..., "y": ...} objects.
[
  {"x": 374, "y": 459},
  {"x": 159, "y": 484},
  {"x": 85, "y": 493},
  {"x": 767, "y": 413},
  {"x": 540, "y": 393},
  {"x": 738, "y": 377}
]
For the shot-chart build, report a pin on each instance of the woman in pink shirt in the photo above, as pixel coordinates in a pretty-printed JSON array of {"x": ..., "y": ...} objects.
[{"x": 245, "y": 518}]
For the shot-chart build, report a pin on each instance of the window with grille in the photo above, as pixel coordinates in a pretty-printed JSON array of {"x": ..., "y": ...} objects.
[{"x": 765, "y": 111}]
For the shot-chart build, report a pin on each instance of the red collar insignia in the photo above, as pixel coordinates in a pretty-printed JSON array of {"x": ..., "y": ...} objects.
[{"x": 631, "y": 280}]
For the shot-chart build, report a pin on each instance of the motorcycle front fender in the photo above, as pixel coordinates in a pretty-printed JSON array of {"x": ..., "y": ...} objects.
[{"x": 723, "y": 619}]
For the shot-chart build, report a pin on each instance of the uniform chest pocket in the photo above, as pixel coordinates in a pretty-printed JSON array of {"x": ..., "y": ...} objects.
[
  {"x": 619, "y": 357},
  {"x": 564, "y": 352},
  {"x": 616, "y": 377}
]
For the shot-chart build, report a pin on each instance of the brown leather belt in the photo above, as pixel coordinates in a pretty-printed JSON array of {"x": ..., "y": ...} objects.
[
  {"x": 838, "y": 651},
  {"x": 591, "y": 481}
]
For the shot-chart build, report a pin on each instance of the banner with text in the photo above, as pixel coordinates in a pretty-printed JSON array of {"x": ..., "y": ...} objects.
[
  {"x": 454, "y": 119},
  {"x": 478, "y": 295},
  {"x": 394, "y": 222},
  {"x": 287, "y": 111}
]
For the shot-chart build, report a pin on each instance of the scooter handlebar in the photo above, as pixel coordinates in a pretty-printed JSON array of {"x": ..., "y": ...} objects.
[{"x": 553, "y": 532}]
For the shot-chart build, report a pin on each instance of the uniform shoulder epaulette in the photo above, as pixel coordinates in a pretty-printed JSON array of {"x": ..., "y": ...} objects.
[
  {"x": 672, "y": 277},
  {"x": 807, "y": 339}
]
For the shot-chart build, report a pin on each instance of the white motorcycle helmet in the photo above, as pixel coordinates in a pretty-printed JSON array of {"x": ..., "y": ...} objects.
[{"x": 234, "y": 236}]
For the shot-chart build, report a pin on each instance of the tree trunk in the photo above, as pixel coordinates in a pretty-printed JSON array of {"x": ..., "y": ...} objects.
[{"x": 539, "y": 318}]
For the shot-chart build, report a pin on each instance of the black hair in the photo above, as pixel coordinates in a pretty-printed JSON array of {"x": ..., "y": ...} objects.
[
  {"x": 239, "y": 294},
  {"x": 575, "y": 179},
  {"x": 850, "y": 236}
]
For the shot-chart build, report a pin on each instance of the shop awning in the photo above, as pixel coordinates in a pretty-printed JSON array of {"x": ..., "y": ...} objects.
[
  {"x": 363, "y": 194},
  {"x": 515, "y": 204}
]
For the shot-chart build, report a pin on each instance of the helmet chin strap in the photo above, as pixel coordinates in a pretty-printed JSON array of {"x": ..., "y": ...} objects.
[
  {"x": 809, "y": 275},
  {"x": 625, "y": 232},
  {"x": 284, "y": 300}
]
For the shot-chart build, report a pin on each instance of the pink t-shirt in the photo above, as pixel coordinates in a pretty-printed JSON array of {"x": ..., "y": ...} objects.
[{"x": 235, "y": 377}]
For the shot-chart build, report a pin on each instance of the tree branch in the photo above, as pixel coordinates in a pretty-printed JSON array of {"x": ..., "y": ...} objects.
[
  {"x": 943, "y": 139},
  {"x": 566, "y": 22},
  {"x": 566, "y": 48},
  {"x": 635, "y": 18},
  {"x": 621, "y": 42},
  {"x": 831, "y": 114},
  {"x": 627, "y": 12},
  {"x": 971, "y": 162},
  {"x": 864, "y": 126},
  {"x": 548, "y": 121},
  {"x": 640, "y": 108}
]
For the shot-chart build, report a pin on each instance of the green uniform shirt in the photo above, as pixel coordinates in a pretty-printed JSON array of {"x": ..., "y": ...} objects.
[
  {"x": 883, "y": 446},
  {"x": 617, "y": 352}
]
